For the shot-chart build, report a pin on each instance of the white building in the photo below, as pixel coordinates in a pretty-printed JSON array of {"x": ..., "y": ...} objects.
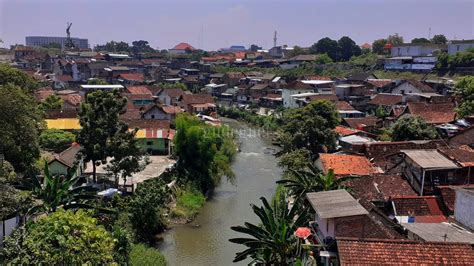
[
  {"x": 45, "y": 40},
  {"x": 459, "y": 46},
  {"x": 464, "y": 207},
  {"x": 410, "y": 49}
]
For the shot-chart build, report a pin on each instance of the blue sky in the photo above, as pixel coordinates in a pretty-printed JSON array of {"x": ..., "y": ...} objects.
[{"x": 213, "y": 24}]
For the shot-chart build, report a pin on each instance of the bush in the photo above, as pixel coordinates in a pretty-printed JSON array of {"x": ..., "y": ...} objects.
[
  {"x": 189, "y": 203},
  {"x": 56, "y": 140},
  {"x": 64, "y": 237},
  {"x": 146, "y": 209},
  {"x": 143, "y": 255}
]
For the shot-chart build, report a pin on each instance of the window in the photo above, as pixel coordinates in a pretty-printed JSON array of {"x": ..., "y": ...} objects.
[
  {"x": 152, "y": 116},
  {"x": 457, "y": 48}
]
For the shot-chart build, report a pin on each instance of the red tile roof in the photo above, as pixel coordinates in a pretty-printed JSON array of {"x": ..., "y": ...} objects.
[
  {"x": 73, "y": 99},
  {"x": 345, "y": 131},
  {"x": 42, "y": 93},
  {"x": 132, "y": 76},
  {"x": 436, "y": 113},
  {"x": 169, "y": 109},
  {"x": 183, "y": 46},
  {"x": 354, "y": 251},
  {"x": 147, "y": 123},
  {"x": 448, "y": 195},
  {"x": 298, "y": 85},
  {"x": 366, "y": 46},
  {"x": 361, "y": 122},
  {"x": 379, "y": 83},
  {"x": 386, "y": 99},
  {"x": 344, "y": 106},
  {"x": 416, "y": 206},
  {"x": 197, "y": 99},
  {"x": 173, "y": 93},
  {"x": 138, "y": 90},
  {"x": 345, "y": 164},
  {"x": 63, "y": 78},
  {"x": 464, "y": 155},
  {"x": 328, "y": 97},
  {"x": 420, "y": 85}
]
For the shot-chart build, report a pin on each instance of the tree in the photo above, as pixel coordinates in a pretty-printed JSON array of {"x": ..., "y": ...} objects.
[
  {"x": 395, "y": 39},
  {"x": 323, "y": 59},
  {"x": 56, "y": 140},
  {"x": 348, "y": 48},
  {"x": 326, "y": 46},
  {"x": 114, "y": 46},
  {"x": 100, "y": 126},
  {"x": 439, "y": 39},
  {"x": 272, "y": 242},
  {"x": 310, "y": 179},
  {"x": 310, "y": 128},
  {"x": 127, "y": 155},
  {"x": 96, "y": 82},
  {"x": 141, "y": 46},
  {"x": 412, "y": 128},
  {"x": 420, "y": 40},
  {"x": 52, "y": 102},
  {"x": 143, "y": 255},
  {"x": 296, "y": 51},
  {"x": 464, "y": 91},
  {"x": 145, "y": 209},
  {"x": 57, "y": 191},
  {"x": 21, "y": 121},
  {"x": 62, "y": 238},
  {"x": 378, "y": 46},
  {"x": 17, "y": 77}
]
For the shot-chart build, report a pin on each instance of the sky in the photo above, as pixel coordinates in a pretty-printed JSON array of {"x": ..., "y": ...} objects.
[{"x": 214, "y": 24}]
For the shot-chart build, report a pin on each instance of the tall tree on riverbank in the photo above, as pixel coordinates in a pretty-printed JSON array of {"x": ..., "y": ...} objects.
[
  {"x": 272, "y": 242},
  {"x": 464, "y": 91},
  {"x": 101, "y": 128}
]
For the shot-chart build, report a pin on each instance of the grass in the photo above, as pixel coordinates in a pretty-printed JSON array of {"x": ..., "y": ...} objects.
[
  {"x": 143, "y": 255},
  {"x": 189, "y": 203}
]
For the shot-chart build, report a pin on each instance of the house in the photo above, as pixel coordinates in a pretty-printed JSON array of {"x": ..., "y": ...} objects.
[
  {"x": 379, "y": 85},
  {"x": 427, "y": 169},
  {"x": 464, "y": 137},
  {"x": 412, "y": 86},
  {"x": 64, "y": 119},
  {"x": 346, "y": 164},
  {"x": 338, "y": 214},
  {"x": 64, "y": 163},
  {"x": 138, "y": 90},
  {"x": 294, "y": 88},
  {"x": 464, "y": 207},
  {"x": 362, "y": 123},
  {"x": 432, "y": 113},
  {"x": 354, "y": 251},
  {"x": 233, "y": 78},
  {"x": 385, "y": 101},
  {"x": 417, "y": 209},
  {"x": 71, "y": 99},
  {"x": 181, "y": 48},
  {"x": 197, "y": 103},
  {"x": 169, "y": 96},
  {"x": 153, "y": 135},
  {"x": 346, "y": 110},
  {"x": 440, "y": 232},
  {"x": 456, "y": 46},
  {"x": 131, "y": 78},
  {"x": 354, "y": 143},
  {"x": 215, "y": 89},
  {"x": 161, "y": 112},
  {"x": 410, "y": 49}
]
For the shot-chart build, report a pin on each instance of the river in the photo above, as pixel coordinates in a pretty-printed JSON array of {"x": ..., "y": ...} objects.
[{"x": 207, "y": 244}]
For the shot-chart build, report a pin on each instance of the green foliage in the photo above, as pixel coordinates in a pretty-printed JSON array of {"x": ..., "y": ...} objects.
[
  {"x": 395, "y": 39},
  {"x": 348, "y": 48},
  {"x": 17, "y": 77},
  {"x": 143, "y": 255},
  {"x": 439, "y": 39},
  {"x": 96, "y": 81},
  {"x": 412, "y": 128},
  {"x": 420, "y": 40},
  {"x": 295, "y": 159},
  {"x": 123, "y": 245},
  {"x": 270, "y": 122},
  {"x": 380, "y": 112},
  {"x": 13, "y": 201},
  {"x": 323, "y": 59},
  {"x": 64, "y": 237},
  {"x": 378, "y": 46},
  {"x": 189, "y": 202},
  {"x": 146, "y": 209},
  {"x": 326, "y": 46},
  {"x": 461, "y": 59},
  {"x": 113, "y": 46},
  {"x": 7, "y": 172},
  {"x": 464, "y": 91},
  {"x": 177, "y": 85},
  {"x": 204, "y": 152},
  {"x": 310, "y": 179},
  {"x": 272, "y": 242},
  {"x": 364, "y": 61},
  {"x": 296, "y": 51},
  {"x": 21, "y": 121},
  {"x": 59, "y": 191},
  {"x": 310, "y": 128},
  {"x": 102, "y": 132},
  {"x": 56, "y": 140},
  {"x": 141, "y": 46},
  {"x": 52, "y": 102}
]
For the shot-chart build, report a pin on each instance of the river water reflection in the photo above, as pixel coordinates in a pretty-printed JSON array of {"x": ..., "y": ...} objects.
[{"x": 256, "y": 172}]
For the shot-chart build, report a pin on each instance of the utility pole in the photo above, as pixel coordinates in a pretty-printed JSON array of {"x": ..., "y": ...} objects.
[{"x": 429, "y": 33}]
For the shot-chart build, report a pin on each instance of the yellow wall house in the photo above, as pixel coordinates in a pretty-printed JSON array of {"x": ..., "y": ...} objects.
[{"x": 63, "y": 123}]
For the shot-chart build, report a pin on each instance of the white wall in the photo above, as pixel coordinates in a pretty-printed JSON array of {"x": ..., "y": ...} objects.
[
  {"x": 406, "y": 88},
  {"x": 290, "y": 102},
  {"x": 464, "y": 208},
  {"x": 459, "y": 47}
]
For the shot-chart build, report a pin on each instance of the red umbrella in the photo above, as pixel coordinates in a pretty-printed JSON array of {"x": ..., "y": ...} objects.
[{"x": 303, "y": 232}]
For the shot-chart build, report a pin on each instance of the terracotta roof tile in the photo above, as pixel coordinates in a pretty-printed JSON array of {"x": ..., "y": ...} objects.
[
  {"x": 354, "y": 251},
  {"x": 138, "y": 90},
  {"x": 464, "y": 155},
  {"x": 344, "y": 106},
  {"x": 63, "y": 78},
  {"x": 63, "y": 113},
  {"x": 345, "y": 131},
  {"x": 417, "y": 206},
  {"x": 361, "y": 122},
  {"x": 73, "y": 99},
  {"x": 379, "y": 83},
  {"x": 345, "y": 164},
  {"x": 147, "y": 123},
  {"x": 132, "y": 77},
  {"x": 197, "y": 99},
  {"x": 298, "y": 85},
  {"x": 420, "y": 85},
  {"x": 183, "y": 46},
  {"x": 386, "y": 99},
  {"x": 436, "y": 113},
  {"x": 448, "y": 196}
]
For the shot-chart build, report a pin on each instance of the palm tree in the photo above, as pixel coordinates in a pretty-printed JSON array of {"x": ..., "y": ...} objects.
[
  {"x": 59, "y": 191},
  {"x": 312, "y": 180},
  {"x": 273, "y": 241}
]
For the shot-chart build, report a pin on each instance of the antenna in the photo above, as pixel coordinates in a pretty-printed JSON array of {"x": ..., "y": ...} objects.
[
  {"x": 275, "y": 39},
  {"x": 429, "y": 33}
]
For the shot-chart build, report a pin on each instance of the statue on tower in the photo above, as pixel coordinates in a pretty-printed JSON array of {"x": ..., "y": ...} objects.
[{"x": 69, "y": 44}]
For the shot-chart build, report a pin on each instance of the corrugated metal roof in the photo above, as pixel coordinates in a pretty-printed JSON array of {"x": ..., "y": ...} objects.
[
  {"x": 335, "y": 203},
  {"x": 443, "y": 232},
  {"x": 430, "y": 159}
]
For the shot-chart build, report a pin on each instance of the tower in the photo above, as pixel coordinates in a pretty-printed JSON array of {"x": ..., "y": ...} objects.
[{"x": 275, "y": 39}]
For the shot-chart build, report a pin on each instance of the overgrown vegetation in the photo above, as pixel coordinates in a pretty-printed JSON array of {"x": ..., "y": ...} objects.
[
  {"x": 143, "y": 255},
  {"x": 56, "y": 140},
  {"x": 188, "y": 203},
  {"x": 270, "y": 122}
]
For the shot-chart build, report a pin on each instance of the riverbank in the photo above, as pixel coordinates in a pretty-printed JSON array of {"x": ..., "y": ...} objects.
[
  {"x": 267, "y": 122},
  {"x": 204, "y": 241}
]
